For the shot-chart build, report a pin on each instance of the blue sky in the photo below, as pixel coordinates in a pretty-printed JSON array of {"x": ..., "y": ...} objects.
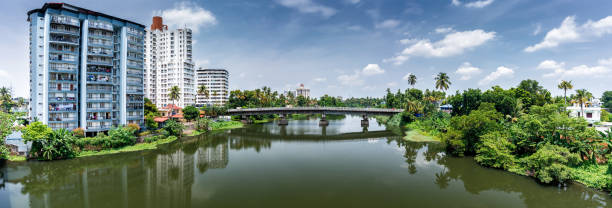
[{"x": 361, "y": 47}]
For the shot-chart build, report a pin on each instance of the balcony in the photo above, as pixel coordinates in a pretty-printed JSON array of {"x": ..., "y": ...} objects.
[
  {"x": 64, "y": 39},
  {"x": 62, "y": 99},
  {"x": 99, "y": 127},
  {"x": 64, "y": 31},
  {"x": 98, "y": 109},
  {"x": 62, "y": 119},
  {"x": 66, "y": 20},
  {"x": 62, "y": 90},
  {"x": 62, "y": 108}
]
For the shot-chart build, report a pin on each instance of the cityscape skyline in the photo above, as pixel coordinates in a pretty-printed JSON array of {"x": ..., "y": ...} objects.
[{"x": 359, "y": 48}]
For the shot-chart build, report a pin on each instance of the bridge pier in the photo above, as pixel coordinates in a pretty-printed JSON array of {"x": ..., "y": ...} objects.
[
  {"x": 323, "y": 121},
  {"x": 365, "y": 122},
  {"x": 283, "y": 120}
]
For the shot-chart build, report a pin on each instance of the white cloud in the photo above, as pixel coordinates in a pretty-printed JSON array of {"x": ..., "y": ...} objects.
[
  {"x": 569, "y": 32},
  {"x": 320, "y": 79},
  {"x": 392, "y": 84},
  {"x": 453, "y": 44},
  {"x": 390, "y": 23},
  {"x": 188, "y": 14},
  {"x": 456, "y": 2},
  {"x": 372, "y": 69},
  {"x": 307, "y": 6},
  {"x": 353, "y": 1},
  {"x": 538, "y": 29},
  {"x": 559, "y": 70},
  {"x": 443, "y": 30},
  {"x": 466, "y": 70},
  {"x": 473, "y": 4},
  {"x": 479, "y": 4},
  {"x": 351, "y": 79},
  {"x": 501, "y": 72},
  {"x": 408, "y": 41},
  {"x": 4, "y": 74}
]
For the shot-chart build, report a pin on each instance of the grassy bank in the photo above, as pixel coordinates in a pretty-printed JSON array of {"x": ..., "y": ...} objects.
[
  {"x": 416, "y": 135},
  {"x": 16, "y": 158},
  {"x": 219, "y": 125},
  {"x": 133, "y": 148}
]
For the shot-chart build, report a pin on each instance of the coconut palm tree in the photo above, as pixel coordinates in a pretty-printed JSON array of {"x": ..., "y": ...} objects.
[
  {"x": 202, "y": 90},
  {"x": 442, "y": 81},
  {"x": 565, "y": 85},
  {"x": 412, "y": 79},
  {"x": 175, "y": 94},
  {"x": 582, "y": 97}
]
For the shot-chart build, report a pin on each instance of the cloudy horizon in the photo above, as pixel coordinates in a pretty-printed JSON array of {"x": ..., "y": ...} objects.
[{"x": 358, "y": 48}]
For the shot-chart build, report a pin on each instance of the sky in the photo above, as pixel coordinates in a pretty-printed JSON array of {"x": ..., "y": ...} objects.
[{"x": 358, "y": 48}]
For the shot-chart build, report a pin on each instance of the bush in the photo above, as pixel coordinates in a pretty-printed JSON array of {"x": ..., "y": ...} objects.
[
  {"x": 78, "y": 132},
  {"x": 122, "y": 137},
  {"x": 150, "y": 122},
  {"x": 495, "y": 151},
  {"x": 174, "y": 128},
  {"x": 550, "y": 163},
  {"x": 190, "y": 113},
  {"x": 153, "y": 138},
  {"x": 50, "y": 145},
  {"x": 133, "y": 127},
  {"x": 453, "y": 140},
  {"x": 4, "y": 152},
  {"x": 202, "y": 124}
]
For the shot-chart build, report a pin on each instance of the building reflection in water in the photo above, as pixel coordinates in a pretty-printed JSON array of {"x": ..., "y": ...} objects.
[{"x": 161, "y": 178}]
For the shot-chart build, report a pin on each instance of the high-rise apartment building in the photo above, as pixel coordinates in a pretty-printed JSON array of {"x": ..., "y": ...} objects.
[
  {"x": 168, "y": 63},
  {"x": 301, "y": 91},
  {"x": 217, "y": 84},
  {"x": 86, "y": 68}
]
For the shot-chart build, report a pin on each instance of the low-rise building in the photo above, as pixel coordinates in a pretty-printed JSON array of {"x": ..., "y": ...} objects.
[{"x": 591, "y": 111}]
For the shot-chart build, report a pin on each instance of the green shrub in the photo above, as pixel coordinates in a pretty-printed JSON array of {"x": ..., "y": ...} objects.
[
  {"x": 453, "y": 140},
  {"x": 153, "y": 138},
  {"x": 202, "y": 124},
  {"x": 550, "y": 163},
  {"x": 122, "y": 137},
  {"x": 133, "y": 127},
  {"x": 174, "y": 128},
  {"x": 4, "y": 152},
  {"x": 150, "y": 122},
  {"x": 495, "y": 151},
  {"x": 190, "y": 113}
]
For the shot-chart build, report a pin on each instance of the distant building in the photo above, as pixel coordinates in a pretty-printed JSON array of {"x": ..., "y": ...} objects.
[
  {"x": 217, "y": 84},
  {"x": 301, "y": 91},
  {"x": 23, "y": 107},
  {"x": 290, "y": 93},
  {"x": 592, "y": 110},
  {"x": 85, "y": 68},
  {"x": 168, "y": 63}
]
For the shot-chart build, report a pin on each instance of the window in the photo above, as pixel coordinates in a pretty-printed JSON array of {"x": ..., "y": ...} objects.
[{"x": 589, "y": 115}]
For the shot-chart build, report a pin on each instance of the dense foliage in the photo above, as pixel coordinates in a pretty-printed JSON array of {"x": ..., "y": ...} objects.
[
  {"x": 191, "y": 113},
  {"x": 173, "y": 128},
  {"x": 49, "y": 144}
]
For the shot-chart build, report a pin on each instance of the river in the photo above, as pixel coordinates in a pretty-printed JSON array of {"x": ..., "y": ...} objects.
[{"x": 300, "y": 165}]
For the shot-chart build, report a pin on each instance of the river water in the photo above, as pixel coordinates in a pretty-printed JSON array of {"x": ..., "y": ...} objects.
[{"x": 300, "y": 165}]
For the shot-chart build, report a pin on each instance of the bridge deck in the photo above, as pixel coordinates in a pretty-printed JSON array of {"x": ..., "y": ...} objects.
[{"x": 314, "y": 110}]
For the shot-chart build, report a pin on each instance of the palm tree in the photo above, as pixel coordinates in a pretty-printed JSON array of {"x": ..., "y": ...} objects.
[
  {"x": 202, "y": 90},
  {"x": 175, "y": 94},
  {"x": 412, "y": 79},
  {"x": 565, "y": 85},
  {"x": 582, "y": 97},
  {"x": 442, "y": 81}
]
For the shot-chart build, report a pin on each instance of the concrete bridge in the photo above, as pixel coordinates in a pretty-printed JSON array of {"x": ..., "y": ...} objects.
[{"x": 284, "y": 111}]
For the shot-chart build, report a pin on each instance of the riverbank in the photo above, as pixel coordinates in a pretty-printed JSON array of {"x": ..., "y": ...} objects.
[
  {"x": 219, "y": 125},
  {"x": 132, "y": 148}
]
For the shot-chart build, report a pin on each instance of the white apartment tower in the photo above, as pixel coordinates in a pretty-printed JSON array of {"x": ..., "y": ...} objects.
[
  {"x": 168, "y": 63},
  {"x": 85, "y": 69},
  {"x": 217, "y": 84}
]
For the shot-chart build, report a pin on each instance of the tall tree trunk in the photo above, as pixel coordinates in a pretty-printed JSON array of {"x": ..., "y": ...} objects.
[{"x": 564, "y": 96}]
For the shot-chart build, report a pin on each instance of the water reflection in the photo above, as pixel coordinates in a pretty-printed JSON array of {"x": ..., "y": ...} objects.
[{"x": 276, "y": 166}]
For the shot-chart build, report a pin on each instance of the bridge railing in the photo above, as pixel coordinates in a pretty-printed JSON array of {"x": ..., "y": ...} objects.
[{"x": 344, "y": 109}]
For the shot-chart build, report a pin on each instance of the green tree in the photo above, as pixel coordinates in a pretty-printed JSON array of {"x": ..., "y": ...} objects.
[
  {"x": 412, "y": 80},
  {"x": 469, "y": 128},
  {"x": 190, "y": 113},
  {"x": 565, "y": 85},
  {"x": 6, "y": 100},
  {"x": 606, "y": 98},
  {"x": 202, "y": 90},
  {"x": 150, "y": 122},
  {"x": 150, "y": 108},
  {"x": 495, "y": 150},
  {"x": 202, "y": 124},
  {"x": 174, "y": 95},
  {"x": 551, "y": 163},
  {"x": 442, "y": 81}
]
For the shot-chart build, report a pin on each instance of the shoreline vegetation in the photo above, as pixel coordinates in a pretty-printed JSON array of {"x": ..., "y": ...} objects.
[{"x": 523, "y": 130}]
